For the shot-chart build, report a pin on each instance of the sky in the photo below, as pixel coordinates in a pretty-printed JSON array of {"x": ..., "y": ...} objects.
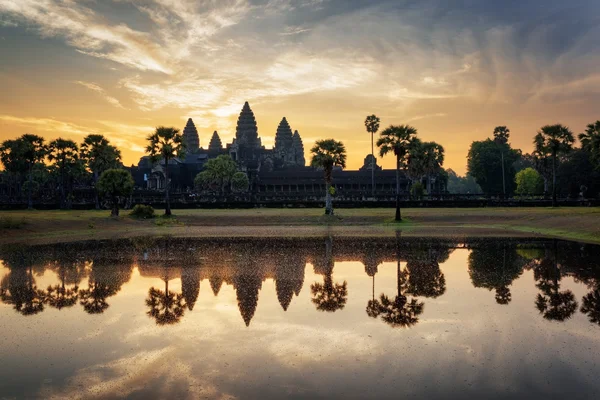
[{"x": 453, "y": 69}]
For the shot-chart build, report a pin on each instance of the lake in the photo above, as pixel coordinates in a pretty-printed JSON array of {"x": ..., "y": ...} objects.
[{"x": 326, "y": 317}]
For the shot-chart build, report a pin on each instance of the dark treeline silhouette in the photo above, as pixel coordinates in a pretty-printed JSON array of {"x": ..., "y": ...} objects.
[{"x": 88, "y": 274}]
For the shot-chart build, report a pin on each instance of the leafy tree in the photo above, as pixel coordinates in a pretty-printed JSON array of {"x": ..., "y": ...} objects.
[
  {"x": 240, "y": 182},
  {"x": 326, "y": 154},
  {"x": 19, "y": 289},
  {"x": 397, "y": 139},
  {"x": 462, "y": 185},
  {"x": 217, "y": 172},
  {"x": 577, "y": 175},
  {"x": 166, "y": 143},
  {"x": 529, "y": 182},
  {"x": 64, "y": 153},
  {"x": 433, "y": 159},
  {"x": 542, "y": 160},
  {"x": 590, "y": 141},
  {"x": 558, "y": 139},
  {"x": 485, "y": 163},
  {"x": 115, "y": 183},
  {"x": 98, "y": 155},
  {"x": 372, "y": 125}
]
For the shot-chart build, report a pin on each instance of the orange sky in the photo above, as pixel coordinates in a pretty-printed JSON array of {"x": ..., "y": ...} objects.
[{"x": 121, "y": 67}]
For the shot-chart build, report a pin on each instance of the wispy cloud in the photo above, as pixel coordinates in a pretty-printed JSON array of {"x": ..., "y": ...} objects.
[{"x": 101, "y": 92}]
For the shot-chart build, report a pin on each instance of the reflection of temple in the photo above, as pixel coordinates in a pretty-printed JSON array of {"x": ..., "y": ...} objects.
[
  {"x": 245, "y": 264},
  {"x": 281, "y": 170}
]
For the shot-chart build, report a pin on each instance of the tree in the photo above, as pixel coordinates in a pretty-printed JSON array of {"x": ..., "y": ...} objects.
[
  {"x": 485, "y": 163},
  {"x": 462, "y": 185},
  {"x": 558, "y": 139},
  {"x": 372, "y": 125},
  {"x": 115, "y": 183},
  {"x": 64, "y": 154},
  {"x": 501, "y": 135},
  {"x": 217, "y": 172},
  {"x": 433, "y": 159},
  {"x": 240, "y": 182},
  {"x": 590, "y": 141},
  {"x": 397, "y": 139},
  {"x": 529, "y": 182},
  {"x": 326, "y": 154},
  {"x": 542, "y": 160},
  {"x": 98, "y": 155},
  {"x": 165, "y": 143}
]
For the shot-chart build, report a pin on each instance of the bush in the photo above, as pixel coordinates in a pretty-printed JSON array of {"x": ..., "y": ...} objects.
[
  {"x": 142, "y": 211},
  {"x": 417, "y": 191}
]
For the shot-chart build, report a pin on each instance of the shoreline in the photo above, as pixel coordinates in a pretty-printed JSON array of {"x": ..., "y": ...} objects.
[{"x": 40, "y": 227}]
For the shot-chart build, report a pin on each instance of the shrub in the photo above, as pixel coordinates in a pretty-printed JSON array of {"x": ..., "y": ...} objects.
[
  {"x": 417, "y": 191},
  {"x": 142, "y": 211}
]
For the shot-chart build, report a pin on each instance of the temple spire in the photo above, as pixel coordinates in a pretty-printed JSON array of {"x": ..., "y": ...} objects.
[
  {"x": 298, "y": 149},
  {"x": 190, "y": 137},
  {"x": 215, "y": 145}
]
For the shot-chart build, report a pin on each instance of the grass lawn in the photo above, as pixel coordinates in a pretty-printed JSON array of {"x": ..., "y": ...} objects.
[{"x": 53, "y": 226}]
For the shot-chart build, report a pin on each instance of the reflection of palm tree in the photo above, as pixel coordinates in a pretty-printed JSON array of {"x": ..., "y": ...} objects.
[
  {"x": 105, "y": 280},
  {"x": 328, "y": 296},
  {"x": 371, "y": 264},
  {"x": 93, "y": 299},
  {"x": 400, "y": 312},
  {"x": 166, "y": 307},
  {"x": 591, "y": 306},
  {"x": 551, "y": 302},
  {"x": 59, "y": 296}
]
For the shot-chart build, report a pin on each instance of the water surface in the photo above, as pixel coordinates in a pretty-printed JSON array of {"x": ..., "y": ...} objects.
[{"x": 301, "y": 318}]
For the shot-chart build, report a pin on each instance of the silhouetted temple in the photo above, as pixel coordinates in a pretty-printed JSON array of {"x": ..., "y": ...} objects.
[{"x": 280, "y": 170}]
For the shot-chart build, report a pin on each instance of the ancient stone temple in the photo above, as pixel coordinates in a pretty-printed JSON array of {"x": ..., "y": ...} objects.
[
  {"x": 215, "y": 145},
  {"x": 190, "y": 137},
  {"x": 298, "y": 149},
  {"x": 246, "y": 131},
  {"x": 284, "y": 143}
]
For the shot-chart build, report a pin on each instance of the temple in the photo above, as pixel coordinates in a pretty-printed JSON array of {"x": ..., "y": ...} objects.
[{"x": 281, "y": 170}]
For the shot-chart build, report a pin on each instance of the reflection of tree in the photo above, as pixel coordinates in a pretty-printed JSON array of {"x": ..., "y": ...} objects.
[
  {"x": 69, "y": 273},
  {"x": 105, "y": 280},
  {"x": 371, "y": 263},
  {"x": 328, "y": 296},
  {"x": 495, "y": 268},
  {"x": 166, "y": 307},
  {"x": 551, "y": 302},
  {"x": 591, "y": 306},
  {"x": 399, "y": 312},
  {"x": 425, "y": 279},
  {"x": 20, "y": 290}
]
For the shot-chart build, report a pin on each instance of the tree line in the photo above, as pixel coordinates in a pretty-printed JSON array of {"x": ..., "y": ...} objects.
[{"x": 493, "y": 166}]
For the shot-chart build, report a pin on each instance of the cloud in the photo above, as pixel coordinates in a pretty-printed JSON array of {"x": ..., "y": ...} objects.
[{"x": 101, "y": 92}]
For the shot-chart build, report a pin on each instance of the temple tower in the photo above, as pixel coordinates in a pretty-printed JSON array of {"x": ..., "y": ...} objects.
[
  {"x": 190, "y": 137},
  {"x": 284, "y": 143},
  {"x": 246, "y": 132},
  {"x": 298, "y": 149},
  {"x": 215, "y": 146}
]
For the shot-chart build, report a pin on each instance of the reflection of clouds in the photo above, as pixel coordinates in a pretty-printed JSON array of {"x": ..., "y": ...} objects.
[{"x": 159, "y": 373}]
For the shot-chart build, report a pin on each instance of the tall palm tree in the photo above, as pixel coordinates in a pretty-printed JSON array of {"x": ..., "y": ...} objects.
[
  {"x": 372, "y": 125},
  {"x": 397, "y": 139},
  {"x": 590, "y": 141},
  {"x": 34, "y": 151},
  {"x": 98, "y": 155},
  {"x": 542, "y": 159},
  {"x": 559, "y": 140},
  {"x": 64, "y": 153},
  {"x": 327, "y": 154},
  {"x": 165, "y": 143},
  {"x": 166, "y": 307},
  {"x": 328, "y": 296}
]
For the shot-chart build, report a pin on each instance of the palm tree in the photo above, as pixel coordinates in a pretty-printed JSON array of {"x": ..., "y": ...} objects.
[
  {"x": 166, "y": 144},
  {"x": 166, "y": 307},
  {"x": 542, "y": 160},
  {"x": 65, "y": 155},
  {"x": 327, "y": 154},
  {"x": 397, "y": 139},
  {"x": 372, "y": 125},
  {"x": 99, "y": 155},
  {"x": 559, "y": 140},
  {"x": 590, "y": 141},
  {"x": 591, "y": 305}
]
